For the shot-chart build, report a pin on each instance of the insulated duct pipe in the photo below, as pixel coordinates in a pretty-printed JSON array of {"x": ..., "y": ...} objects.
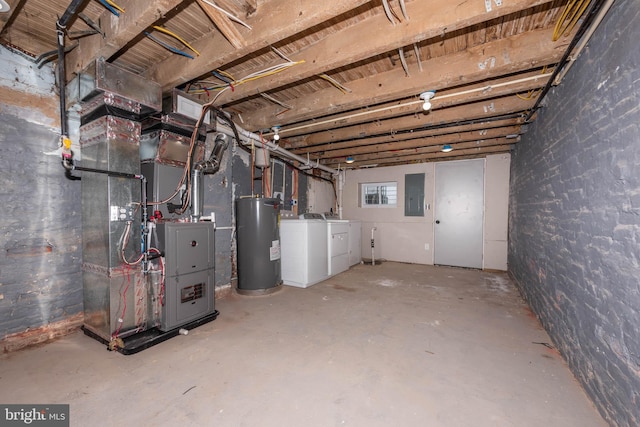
[{"x": 209, "y": 167}]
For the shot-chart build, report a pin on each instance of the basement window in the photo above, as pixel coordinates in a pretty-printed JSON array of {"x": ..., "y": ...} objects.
[{"x": 378, "y": 194}]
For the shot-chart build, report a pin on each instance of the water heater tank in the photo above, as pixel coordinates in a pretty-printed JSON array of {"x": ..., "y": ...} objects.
[{"x": 258, "y": 234}]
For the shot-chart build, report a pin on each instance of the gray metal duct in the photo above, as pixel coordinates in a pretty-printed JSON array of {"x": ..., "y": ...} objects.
[{"x": 209, "y": 167}]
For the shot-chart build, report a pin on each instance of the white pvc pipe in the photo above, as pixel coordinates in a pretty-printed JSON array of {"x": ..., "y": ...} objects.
[
  {"x": 249, "y": 137},
  {"x": 373, "y": 258},
  {"x": 341, "y": 179}
]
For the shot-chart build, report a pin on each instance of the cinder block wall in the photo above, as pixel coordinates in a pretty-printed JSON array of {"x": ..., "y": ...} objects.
[
  {"x": 574, "y": 234},
  {"x": 40, "y": 261}
]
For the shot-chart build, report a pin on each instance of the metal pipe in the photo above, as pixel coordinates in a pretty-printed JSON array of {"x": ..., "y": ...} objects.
[
  {"x": 61, "y": 26},
  {"x": 249, "y": 137},
  {"x": 210, "y": 166}
]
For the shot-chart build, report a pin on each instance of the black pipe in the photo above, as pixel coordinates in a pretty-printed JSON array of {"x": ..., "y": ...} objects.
[
  {"x": 61, "y": 26},
  {"x": 586, "y": 23},
  {"x": 70, "y": 13},
  {"x": 105, "y": 172}
]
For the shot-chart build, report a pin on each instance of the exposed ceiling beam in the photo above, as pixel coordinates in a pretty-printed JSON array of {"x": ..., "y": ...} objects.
[
  {"x": 405, "y": 155},
  {"x": 360, "y": 146},
  {"x": 523, "y": 83},
  {"x": 293, "y": 17},
  {"x": 476, "y": 110},
  {"x": 224, "y": 24},
  {"x": 118, "y": 31},
  {"x": 456, "y": 154},
  {"x": 495, "y": 58},
  {"x": 361, "y": 41},
  {"x": 419, "y": 143}
]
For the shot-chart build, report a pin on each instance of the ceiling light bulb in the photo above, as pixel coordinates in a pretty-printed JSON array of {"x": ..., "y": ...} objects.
[
  {"x": 447, "y": 148},
  {"x": 275, "y": 130},
  {"x": 426, "y": 96},
  {"x": 350, "y": 160}
]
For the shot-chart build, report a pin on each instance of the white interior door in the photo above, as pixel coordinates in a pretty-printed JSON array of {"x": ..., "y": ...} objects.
[{"x": 459, "y": 205}]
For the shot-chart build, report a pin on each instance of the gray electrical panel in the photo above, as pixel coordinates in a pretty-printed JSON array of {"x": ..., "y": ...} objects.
[
  {"x": 414, "y": 194},
  {"x": 189, "y": 288}
]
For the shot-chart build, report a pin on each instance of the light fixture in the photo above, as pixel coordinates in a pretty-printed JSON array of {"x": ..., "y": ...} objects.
[
  {"x": 426, "y": 97},
  {"x": 4, "y": 6},
  {"x": 446, "y": 148},
  {"x": 275, "y": 130},
  {"x": 350, "y": 159}
]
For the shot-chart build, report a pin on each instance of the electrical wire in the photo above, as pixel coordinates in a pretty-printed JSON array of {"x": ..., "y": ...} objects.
[
  {"x": 122, "y": 302},
  {"x": 168, "y": 46},
  {"x": 276, "y": 101},
  {"x": 231, "y": 16},
  {"x": 387, "y": 11},
  {"x": 109, "y": 7},
  {"x": 532, "y": 93},
  {"x": 275, "y": 69},
  {"x": 570, "y": 16},
  {"x": 177, "y": 37},
  {"x": 115, "y": 6},
  {"x": 124, "y": 241},
  {"x": 336, "y": 83},
  {"x": 403, "y": 61}
]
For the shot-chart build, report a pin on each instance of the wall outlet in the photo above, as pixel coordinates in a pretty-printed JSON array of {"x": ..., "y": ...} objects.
[
  {"x": 294, "y": 202},
  {"x": 426, "y": 246}
]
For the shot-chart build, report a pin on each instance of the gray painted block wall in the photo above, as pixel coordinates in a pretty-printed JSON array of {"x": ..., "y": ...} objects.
[
  {"x": 574, "y": 232},
  {"x": 40, "y": 231}
]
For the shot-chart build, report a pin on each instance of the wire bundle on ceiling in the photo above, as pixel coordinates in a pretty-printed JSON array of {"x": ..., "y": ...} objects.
[
  {"x": 570, "y": 17},
  {"x": 112, "y": 7},
  {"x": 229, "y": 82},
  {"x": 170, "y": 47}
]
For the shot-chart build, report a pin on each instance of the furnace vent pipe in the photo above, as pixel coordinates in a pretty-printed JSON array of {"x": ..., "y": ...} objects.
[{"x": 208, "y": 167}]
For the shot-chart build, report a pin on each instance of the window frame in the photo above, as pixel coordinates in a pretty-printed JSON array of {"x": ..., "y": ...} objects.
[{"x": 363, "y": 193}]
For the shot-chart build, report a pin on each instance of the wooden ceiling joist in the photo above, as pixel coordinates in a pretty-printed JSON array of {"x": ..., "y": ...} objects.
[
  {"x": 356, "y": 43},
  {"x": 224, "y": 24},
  {"x": 292, "y": 19},
  {"x": 505, "y": 56}
]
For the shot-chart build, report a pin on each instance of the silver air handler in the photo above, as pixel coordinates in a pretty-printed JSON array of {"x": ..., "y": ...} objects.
[{"x": 210, "y": 166}]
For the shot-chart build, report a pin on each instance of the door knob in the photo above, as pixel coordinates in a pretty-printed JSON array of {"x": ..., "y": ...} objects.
[{"x": 437, "y": 221}]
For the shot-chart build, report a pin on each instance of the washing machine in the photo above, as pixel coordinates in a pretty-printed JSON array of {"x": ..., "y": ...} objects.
[{"x": 304, "y": 252}]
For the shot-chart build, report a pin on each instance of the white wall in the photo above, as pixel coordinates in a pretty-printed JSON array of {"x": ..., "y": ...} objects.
[
  {"x": 411, "y": 239},
  {"x": 496, "y": 211},
  {"x": 397, "y": 238}
]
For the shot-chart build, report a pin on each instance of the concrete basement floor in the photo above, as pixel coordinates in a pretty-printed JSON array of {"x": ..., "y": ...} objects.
[{"x": 386, "y": 345}]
